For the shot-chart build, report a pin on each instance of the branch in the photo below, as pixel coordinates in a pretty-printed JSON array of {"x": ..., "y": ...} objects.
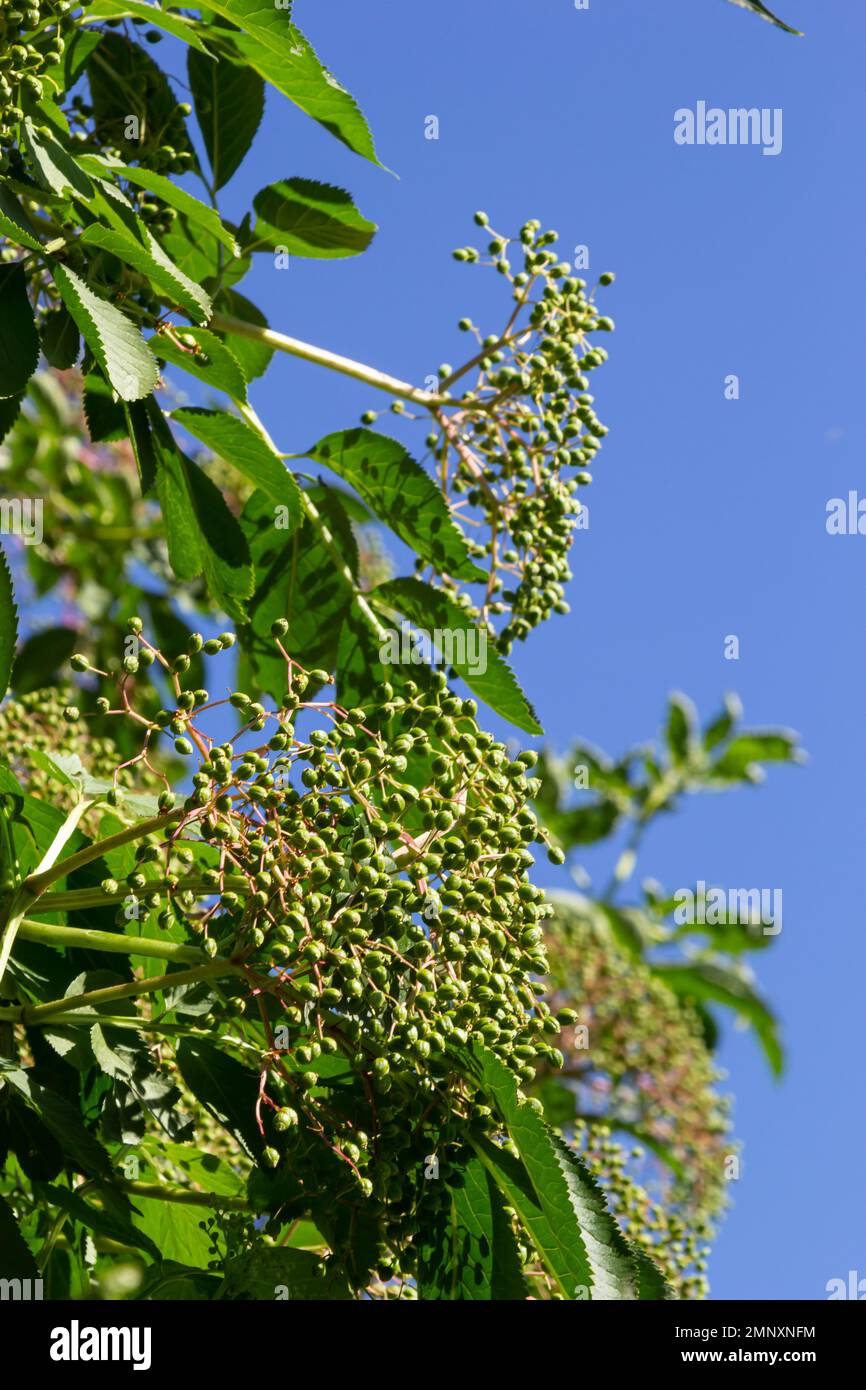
[{"x": 225, "y": 323}]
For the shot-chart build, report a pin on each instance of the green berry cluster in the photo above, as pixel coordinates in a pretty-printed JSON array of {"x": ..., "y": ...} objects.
[
  {"x": 367, "y": 877},
  {"x": 33, "y": 37},
  {"x": 39, "y": 722},
  {"x": 646, "y": 1059},
  {"x": 519, "y": 444}
]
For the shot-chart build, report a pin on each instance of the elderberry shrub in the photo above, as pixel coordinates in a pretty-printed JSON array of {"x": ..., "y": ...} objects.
[
  {"x": 517, "y": 445},
  {"x": 365, "y": 880}
]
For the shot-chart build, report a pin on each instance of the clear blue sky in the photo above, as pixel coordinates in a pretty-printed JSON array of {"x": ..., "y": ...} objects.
[{"x": 707, "y": 516}]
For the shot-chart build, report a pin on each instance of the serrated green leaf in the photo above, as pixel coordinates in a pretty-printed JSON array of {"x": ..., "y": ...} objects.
[
  {"x": 215, "y": 365},
  {"x": 229, "y": 102},
  {"x": 202, "y": 535},
  {"x": 53, "y": 165},
  {"x": 147, "y": 257},
  {"x": 61, "y": 340},
  {"x": 16, "y": 1261},
  {"x": 401, "y": 494},
  {"x": 224, "y": 1087},
  {"x": 19, "y": 341},
  {"x": 104, "y": 414},
  {"x": 198, "y": 213},
  {"x": 469, "y": 1251},
  {"x": 14, "y": 222},
  {"x": 309, "y": 219},
  {"x": 10, "y": 409},
  {"x": 178, "y": 25},
  {"x": 278, "y": 50},
  {"x": 558, "y": 1201},
  {"x": 473, "y": 657},
  {"x": 81, "y": 1148},
  {"x": 109, "y": 1220},
  {"x": 113, "y": 339},
  {"x": 125, "y": 81},
  {"x": 239, "y": 445},
  {"x": 8, "y": 623},
  {"x": 296, "y": 579}
]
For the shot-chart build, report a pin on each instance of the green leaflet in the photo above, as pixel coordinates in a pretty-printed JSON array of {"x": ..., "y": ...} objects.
[
  {"x": 309, "y": 219},
  {"x": 61, "y": 340},
  {"x": 277, "y": 50},
  {"x": 229, "y": 103},
  {"x": 296, "y": 579},
  {"x": 125, "y": 81},
  {"x": 681, "y": 728},
  {"x": 559, "y": 1203},
  {"x": 19, "y": 341},
  {"x": 147, "y": 257},
  {"x": 216, "y": 365},
  {"x": 175, "y": 24},
  {"x": 246, "y": 451},
  {"x": 195, "y": 211},
  {"x": 53, "y": 165},
  {"x": 14, "y": 222},
  {"x": 744, "y": 754},
  {"x": 16, "y": 1261},
  {"x": 758, "y": 8},
  {"x": 477, "y": 661},
  {"x": 10, "y": 409},
  {"x": 401, "y": 494},
  {"x": 112, "y": 1219},
  {"x": 201, "y": 533},
  {"x": 175, "y": 1229},
  {"x": 707, "y": 982},
  {"x": 470, "y": 1251},
  {"x": 224, "y": 1087},
  {"x": 82, "y": 1150},
  {"x": 114, "y": 341},
  {"x": 8, "y": 623}
]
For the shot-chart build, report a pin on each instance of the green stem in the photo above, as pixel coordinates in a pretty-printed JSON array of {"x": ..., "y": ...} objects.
[
  {"x": 40, "y": 1013},
  {"x": 26, "y": 893},
  {"x": 113, "y": 942},
  {"x": 76, "y": 899},
  {"x": 308, "y": 352},
  {"x": 186, "y": 1196},
  {"x": 42, "y": 879}
]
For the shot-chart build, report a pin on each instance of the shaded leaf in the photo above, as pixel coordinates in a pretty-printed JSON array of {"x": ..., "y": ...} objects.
[
  {"x": 278, "y": 50},
  {"x": 309, "y": 219},
  {"x": 229, "y": 101},
  {"x": 245, "y": 450},
  {"x": 401, "y": 494},
  {"x": 473, "y": 657},
  {"x": 19, "y": 341}
]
